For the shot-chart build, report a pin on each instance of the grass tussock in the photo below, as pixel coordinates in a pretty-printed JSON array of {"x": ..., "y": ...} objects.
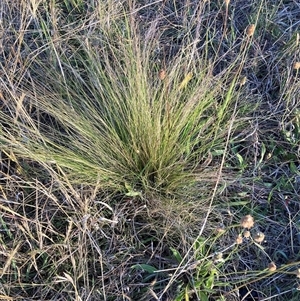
[
  {"x": 103, "y": 114},
  {"x": 99, "y": 110},
  {"x": 149, "y": 150}
]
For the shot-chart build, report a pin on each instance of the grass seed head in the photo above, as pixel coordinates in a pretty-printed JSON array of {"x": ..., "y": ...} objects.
[
  {"x": 227, "y": 2},
  {"x": 250, "y": 30},
  {"x": 247, "y": 234},
  {"x": 296, "y": 65},
  {"x": 247, "y": 221},
  {"x": 239, "y": 240},
  {"x": 220, "y": 230},
  {"x": 272, "y": 266},
  {"x": 162, "y": 74},
  {"x": 218, "y": 257},
  {"x": 259, "y": 237}
]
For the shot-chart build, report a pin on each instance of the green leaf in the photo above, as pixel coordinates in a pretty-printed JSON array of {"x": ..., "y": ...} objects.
[
  {"x": 203, "y": 296},
  {"x": 144, "y": 267},
  {"x": 187, "y": 298},
  {"x": 262, "y": 153},
  {"x": 237, "y": 203},
  {"x": 180, "y": 296},
  {"x": 241, "y": 160},
  {"x": 242, "y": 194},
  {"x": 228, "y": 98},
  {"x": 211, "y": 279},
  {"x": 200, "y": 246},
  {"x": 128, "y": 187},
  {"x": 133, "y": 193},
  {"x": 176, "y": 255},
  {"x": 268, "y": 184},
  {"x": 294, "y": 168},
  {"x": 217, "y": 152}
]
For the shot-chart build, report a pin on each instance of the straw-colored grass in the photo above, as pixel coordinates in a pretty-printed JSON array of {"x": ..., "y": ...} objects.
[{"x": 149, "y": 150}]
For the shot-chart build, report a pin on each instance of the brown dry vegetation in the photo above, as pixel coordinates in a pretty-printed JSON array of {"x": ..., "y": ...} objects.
[{"x": 83, "y": 217}]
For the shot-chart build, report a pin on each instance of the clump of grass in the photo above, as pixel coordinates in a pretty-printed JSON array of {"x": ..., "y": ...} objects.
[
  {"x": 100, "y": 112},
  {"x": 141, "y": 99}
]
